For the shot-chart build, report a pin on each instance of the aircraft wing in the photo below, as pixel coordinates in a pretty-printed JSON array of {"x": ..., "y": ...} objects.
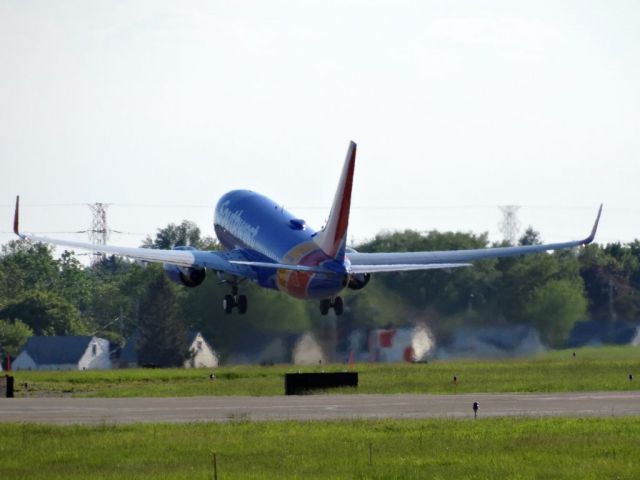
[
  {"x": 403, "y": 261},
  {"x": 219, "y": 261},
  {"x": 235, "y": 262},
  {"x": 181, "y": 258}
]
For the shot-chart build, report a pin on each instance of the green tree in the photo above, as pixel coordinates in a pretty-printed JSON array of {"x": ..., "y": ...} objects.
[
  {"x": 185, "y": 234},
  {"x": 611, "y": 276},
  {"x": 373, "y": 307},
  {"x": 530, "y": 237},
  {"x": 270, "y": 315},
  {"x": 603, "y": 276},
  {"x": 432, "y": 288},
  {"x": 46, "y": 314},
  {"x": 117, "y": 287},
  {"x": 27, "y": 266},
  {"x": 554, "y": 309},
  {"x": 163, "y": 337},
  {"x": 73, "y": 281},
  {"x": 520, "y": 277},
  {"x": 13, "y": 336}
]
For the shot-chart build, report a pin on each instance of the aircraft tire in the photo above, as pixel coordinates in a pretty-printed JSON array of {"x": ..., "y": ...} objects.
[
  {"x": 227, "y": 304},
  {"x": 242, "y": 304},
  {"x": 325, "y": 305},
  {"x": 338, "y": 306}
]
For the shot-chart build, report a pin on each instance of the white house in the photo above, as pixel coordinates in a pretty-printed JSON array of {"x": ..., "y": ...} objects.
[
  {"x": 201, "y": 353},
  {"x": 64, "y": 353},
  {"x": 492, "y": 342},
  {"x": 410, "y": 344}
]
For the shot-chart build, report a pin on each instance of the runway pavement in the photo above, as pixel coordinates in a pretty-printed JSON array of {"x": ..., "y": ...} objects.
[{"x": 313, "y": 407}]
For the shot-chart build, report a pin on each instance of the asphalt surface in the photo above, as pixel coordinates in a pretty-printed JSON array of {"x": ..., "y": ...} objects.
[{"x": 312, "y": 407}]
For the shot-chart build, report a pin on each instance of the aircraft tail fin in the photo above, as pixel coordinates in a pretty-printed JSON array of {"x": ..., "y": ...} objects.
[{"x": 333, "y": 237}]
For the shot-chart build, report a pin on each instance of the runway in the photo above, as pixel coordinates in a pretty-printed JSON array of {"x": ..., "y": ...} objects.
[{"x": 312, "y": 407}]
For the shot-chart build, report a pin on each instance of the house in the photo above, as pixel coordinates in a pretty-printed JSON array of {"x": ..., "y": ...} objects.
[
  {"x": 410, "y": 344},
  {"x": 492, "y": 342},
  {"x": 599, "y": 331},
  {"x": 64, "y": 353},
  {"x": 265, "y": 349},
  {"x": 200, "y": 352}
]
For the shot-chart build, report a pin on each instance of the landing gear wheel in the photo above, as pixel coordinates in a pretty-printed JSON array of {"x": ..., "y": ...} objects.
[
  {"x": 338, "y": 306},
  {"x": 242, "y": 304},
  {"x": 325, "y": 305},
  {"x": 228, "y": 303}
]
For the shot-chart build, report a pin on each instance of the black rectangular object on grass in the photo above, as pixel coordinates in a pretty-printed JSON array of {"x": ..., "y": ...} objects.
[
  {"x": 300, "y": 383},
  {"x": 8, "y": 386}
]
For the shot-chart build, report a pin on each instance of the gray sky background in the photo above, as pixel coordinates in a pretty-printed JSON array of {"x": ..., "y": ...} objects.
[{"x": 160, "y": 107}]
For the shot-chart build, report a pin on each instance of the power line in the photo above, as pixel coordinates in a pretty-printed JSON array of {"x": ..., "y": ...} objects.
[
  {"x": 76, "y": 232},
  {"x": 354, "y": 207}
]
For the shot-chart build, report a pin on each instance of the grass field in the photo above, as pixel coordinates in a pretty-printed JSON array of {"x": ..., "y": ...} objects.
[
  {"x": 604, "y": 368},
  {"x": 590, "y": 448}
]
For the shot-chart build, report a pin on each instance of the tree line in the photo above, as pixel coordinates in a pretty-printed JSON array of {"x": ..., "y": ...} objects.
[{"x": 113, "y": 298}]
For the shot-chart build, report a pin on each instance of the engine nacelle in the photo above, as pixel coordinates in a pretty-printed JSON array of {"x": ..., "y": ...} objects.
[
  {"x": 187, "y": 276},
  {"x": 358, "y": 281}
]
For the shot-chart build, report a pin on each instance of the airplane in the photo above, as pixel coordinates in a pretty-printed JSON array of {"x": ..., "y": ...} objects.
[{"x": 266, "y": 244}]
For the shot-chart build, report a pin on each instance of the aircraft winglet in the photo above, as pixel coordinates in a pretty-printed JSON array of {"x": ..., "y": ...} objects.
[
  {"x": 16, "y": 218},
  {"x": 590, "y": 238}
]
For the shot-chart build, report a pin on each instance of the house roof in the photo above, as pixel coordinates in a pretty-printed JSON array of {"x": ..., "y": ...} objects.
[
  {"x": 50, "y": 350},
  {"x": 191, "y": 336}
]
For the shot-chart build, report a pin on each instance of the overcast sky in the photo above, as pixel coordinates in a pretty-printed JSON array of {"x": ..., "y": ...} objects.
[{"x": 159, "y": 108}]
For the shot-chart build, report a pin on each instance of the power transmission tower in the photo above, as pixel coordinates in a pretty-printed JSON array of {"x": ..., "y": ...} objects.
[
  {"x": 99, "y": 231},
  {"x": 509, "y": 226}
]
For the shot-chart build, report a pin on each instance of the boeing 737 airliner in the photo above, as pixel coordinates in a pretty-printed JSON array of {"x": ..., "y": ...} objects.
[{"x": 270, "y": 246}]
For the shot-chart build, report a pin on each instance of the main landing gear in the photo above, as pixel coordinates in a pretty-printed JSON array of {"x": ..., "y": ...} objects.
[
  {"x": 235, "y": 300},
  {"x": 329, "y": 303}
]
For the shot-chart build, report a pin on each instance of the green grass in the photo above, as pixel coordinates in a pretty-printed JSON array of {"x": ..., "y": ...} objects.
[
  {"x": 605, "y": 368},
  {"x": 588, "y": 448}
]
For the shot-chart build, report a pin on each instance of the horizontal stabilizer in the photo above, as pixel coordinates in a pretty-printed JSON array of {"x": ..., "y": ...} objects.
[
  {"x": 404, "y": 268},
  {"x": 281, "y": 266}
]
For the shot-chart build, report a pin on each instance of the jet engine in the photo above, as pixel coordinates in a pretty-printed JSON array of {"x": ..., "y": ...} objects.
[
  {"x": 358, "y": 281},
  {"x": 187, "y": 276}
]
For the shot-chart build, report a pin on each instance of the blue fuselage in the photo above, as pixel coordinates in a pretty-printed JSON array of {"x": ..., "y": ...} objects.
[{"x": 266, "y": 232}]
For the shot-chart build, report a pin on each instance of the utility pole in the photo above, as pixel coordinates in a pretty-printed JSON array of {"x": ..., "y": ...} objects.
[
  {"x": 612, "y": 312},
  {"x": 509, "y": 226},
  {"x": 99, "y": 231}
]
